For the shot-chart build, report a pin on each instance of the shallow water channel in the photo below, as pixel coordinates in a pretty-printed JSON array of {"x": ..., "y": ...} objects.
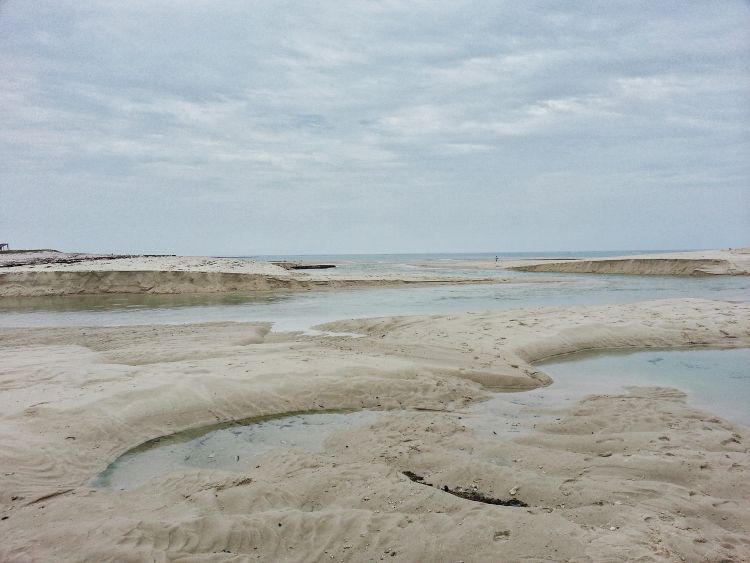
[
  {"x": 715, "y": 380},
  {"x": 302, "y": 310}
]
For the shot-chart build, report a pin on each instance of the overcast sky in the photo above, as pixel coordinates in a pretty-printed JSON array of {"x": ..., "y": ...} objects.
[{"x": 239, "y": 128}]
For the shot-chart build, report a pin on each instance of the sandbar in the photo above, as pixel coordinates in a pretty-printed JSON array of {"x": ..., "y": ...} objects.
[
  {"x": 732, "y": 262},
  {"x": 92, "y": 275}
]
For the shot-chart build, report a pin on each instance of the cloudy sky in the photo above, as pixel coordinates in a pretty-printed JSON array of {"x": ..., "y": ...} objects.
[{"x": 261, "y": 127}]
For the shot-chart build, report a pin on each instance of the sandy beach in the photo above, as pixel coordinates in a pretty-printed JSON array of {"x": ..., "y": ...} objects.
[{"x": 631, "y": 476}]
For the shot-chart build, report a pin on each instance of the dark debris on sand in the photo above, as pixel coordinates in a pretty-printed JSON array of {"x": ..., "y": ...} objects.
[{"x": 473, "y": 495}]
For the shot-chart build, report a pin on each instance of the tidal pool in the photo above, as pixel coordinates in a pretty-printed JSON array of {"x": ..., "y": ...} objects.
[
  {"x": 715, "y": 380},
  {"x": 227, "y": 446}
]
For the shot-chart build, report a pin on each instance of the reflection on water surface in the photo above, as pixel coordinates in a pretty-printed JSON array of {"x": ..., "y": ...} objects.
[
  {"x": 301, "y": 310},
  {"x": 229, "y": 446},
  {"x": 717, "y": 381}
]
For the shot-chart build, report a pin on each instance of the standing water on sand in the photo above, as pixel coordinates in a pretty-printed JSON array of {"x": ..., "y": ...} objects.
[
  {"x": 229, "y": 446},
  {"x": 715, "y": 380}
]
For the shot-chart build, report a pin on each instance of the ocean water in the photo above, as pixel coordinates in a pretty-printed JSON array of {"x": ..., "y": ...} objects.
[
  {"x": 356, "y": 264},
  {"x": 411, "y": 258},
  {"x": 302, "y": 310}
]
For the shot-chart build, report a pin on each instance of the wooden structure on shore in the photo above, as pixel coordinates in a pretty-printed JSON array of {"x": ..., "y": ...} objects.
[
  {"x": 4, "y": 246},
  {"x": 300, "y": 266}
]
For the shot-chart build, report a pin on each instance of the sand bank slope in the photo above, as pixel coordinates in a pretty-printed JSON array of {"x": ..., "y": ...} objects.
[
  {"x": 141, "y": 274},
  {"x": 498, "y": 349},
  {"x": 32, "y": 284},
  {"x": 180, "y": 274},
  {"x": 727, "y": 262},
  {"x": 35, "y": 283},
  {"x": 634, "y": 476}
]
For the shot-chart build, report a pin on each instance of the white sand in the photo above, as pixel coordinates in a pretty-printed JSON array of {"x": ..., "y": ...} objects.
[
  {"x": 162, "y": 263},
  {"x": 634, "y": 477}
]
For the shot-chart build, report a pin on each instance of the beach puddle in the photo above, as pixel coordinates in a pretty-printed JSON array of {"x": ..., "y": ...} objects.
[
  {"x": 717, "y": 381},
  {"x": 227, "y": 446}
]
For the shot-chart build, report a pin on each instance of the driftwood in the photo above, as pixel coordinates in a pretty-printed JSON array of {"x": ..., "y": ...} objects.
[{"x": 298, "y": 266}]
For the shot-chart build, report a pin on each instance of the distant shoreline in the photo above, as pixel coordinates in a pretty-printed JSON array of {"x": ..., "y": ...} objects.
[
  {"x": 51, "y": 273},
  {"x": 75, "y": 274}
]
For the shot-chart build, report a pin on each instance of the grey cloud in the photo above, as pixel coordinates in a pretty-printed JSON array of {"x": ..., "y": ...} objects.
[{"x": 366, "y": 117}]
